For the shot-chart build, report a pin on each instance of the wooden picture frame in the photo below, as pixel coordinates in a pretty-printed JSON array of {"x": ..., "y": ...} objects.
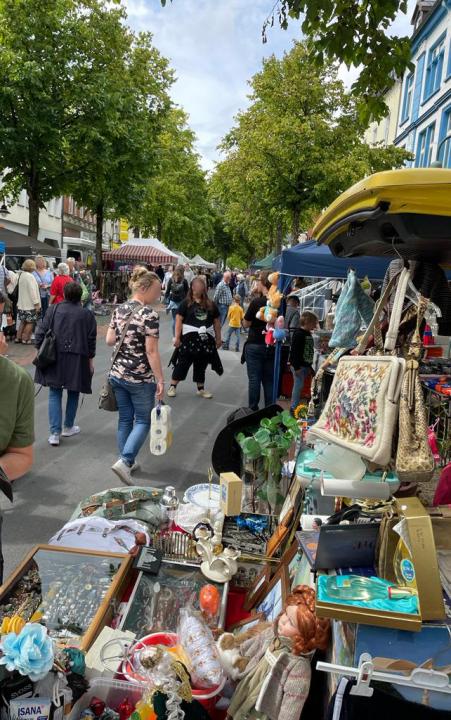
[
  {"x": 287, "y": 558},
  {"x": 276, "y": 540},
  {"x": 104, "y": 612},
  {"x": 273, "y": 602},
  {"x": 257, "y": 590},
  {"x": 250, "y": 621}
]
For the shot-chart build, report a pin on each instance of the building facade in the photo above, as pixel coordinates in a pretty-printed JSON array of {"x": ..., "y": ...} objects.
[
  {"x": 383, "y": 133},
  {"x": 49, "y": 219},
  {"x": 424, "y": 116}
]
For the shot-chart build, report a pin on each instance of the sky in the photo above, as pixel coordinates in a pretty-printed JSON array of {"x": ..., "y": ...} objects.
[{"x": 215, "y": 47}]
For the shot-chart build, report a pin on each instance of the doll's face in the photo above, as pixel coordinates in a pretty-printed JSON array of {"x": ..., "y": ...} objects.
[{"x": 287, "y": 626}]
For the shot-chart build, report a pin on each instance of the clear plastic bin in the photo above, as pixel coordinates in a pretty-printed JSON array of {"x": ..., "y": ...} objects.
[{"x": 112, "y": 692}]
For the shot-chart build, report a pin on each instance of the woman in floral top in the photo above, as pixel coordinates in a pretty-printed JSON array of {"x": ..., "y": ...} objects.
[{"x": 136, "y": 374}]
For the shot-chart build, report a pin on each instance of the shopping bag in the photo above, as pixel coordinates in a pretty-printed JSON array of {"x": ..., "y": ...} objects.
[{"x": 160, "y": 429}]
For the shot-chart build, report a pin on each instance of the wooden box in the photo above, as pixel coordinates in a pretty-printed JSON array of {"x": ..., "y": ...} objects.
[{"x": 71, "y": 591}]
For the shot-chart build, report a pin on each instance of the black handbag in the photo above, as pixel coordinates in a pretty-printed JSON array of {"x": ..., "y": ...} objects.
[
  {"x": 107, "y": 398},
  {"x": 47, "y": 352}
]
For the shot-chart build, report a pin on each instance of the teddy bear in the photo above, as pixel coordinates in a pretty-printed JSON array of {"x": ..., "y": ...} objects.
[{"x": 269, "y": 313}]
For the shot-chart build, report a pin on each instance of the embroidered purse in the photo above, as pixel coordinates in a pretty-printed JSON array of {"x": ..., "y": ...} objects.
[{"x": 361, "y": 411}]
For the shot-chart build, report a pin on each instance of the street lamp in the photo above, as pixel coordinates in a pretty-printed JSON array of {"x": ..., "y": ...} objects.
[{"x": 437, "y": 162}]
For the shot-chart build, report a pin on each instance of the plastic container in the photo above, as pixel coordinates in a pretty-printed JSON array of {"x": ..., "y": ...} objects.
[
  {"x": 112, "y": 692},
  {"x": 207, "y": 697}
]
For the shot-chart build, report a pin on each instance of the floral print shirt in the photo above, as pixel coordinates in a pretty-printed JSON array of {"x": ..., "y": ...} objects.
[{"x": 131, "y": 363}]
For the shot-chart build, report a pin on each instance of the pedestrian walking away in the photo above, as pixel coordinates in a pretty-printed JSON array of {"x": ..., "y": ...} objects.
[
  {"x": 258, "y": 356},
  {"x": 176, "y": 291},
  {"x": 28, "y": 302},
  {"x": 197, "y": 339},
  {"x": 136, "y": 374},
  {"x": 44, "y": 278},
  {"x": 301, "y": 354},
  {"x": 223, "y": 296},
  {"x": 235, "y": 317},
  {"x": 75, "y": 330},
  {"x": 57, "y": 286}
]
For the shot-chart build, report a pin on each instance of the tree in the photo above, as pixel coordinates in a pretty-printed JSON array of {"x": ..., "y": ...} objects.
[
  {"x": 355, "y": 33},
  {"x": 56, "y": 61},
  {"x": 175, "y": 207},
  {"x": 116, "y": 152},
  {"x": 293, "y": 150}
]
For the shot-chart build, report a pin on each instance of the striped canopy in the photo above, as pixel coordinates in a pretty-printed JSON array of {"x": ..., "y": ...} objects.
[{"x": 140, "y": 253}]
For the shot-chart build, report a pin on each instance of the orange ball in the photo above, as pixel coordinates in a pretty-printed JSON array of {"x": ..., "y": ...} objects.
[{"x": 209, "y": 600}]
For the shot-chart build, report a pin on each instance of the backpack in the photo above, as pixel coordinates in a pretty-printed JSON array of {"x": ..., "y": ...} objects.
[{"x": 178, "y": 291}]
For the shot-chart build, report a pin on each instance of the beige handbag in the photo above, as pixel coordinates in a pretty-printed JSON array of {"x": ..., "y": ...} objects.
[
  {"x": 361, "y": 411},
  {"x": 414, "y": 459}
]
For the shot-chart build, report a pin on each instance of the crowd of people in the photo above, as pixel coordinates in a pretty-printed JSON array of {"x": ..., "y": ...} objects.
[{"x": 208, "y": 314}]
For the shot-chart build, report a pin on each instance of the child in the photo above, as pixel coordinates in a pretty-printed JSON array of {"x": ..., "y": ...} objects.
[
  {"x": 292, "y": 314},
  {"x": 235, "y": 315},
  {"x": 301, "y": 354}
]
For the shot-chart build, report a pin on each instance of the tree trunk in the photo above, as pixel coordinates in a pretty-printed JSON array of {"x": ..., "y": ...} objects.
[
  {"x": 279, "y": 237},
  {"x": 99, "y": 236},
  {"x": 33, "y": 215},
  {"x": 295, "y": 224},
  {"x": 136, "y": 232},
  {"x": 159, "y": 230}
]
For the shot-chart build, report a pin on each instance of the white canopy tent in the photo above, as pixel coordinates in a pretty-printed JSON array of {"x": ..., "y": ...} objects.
[
  {"x": 200, "y": 262},
  {"x": 182, "y": 259}
]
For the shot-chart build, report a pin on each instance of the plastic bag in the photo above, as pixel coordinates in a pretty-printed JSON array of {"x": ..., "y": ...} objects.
[
  {"x": 160, "y": 429},
  {"x": 197, "y": 640}
]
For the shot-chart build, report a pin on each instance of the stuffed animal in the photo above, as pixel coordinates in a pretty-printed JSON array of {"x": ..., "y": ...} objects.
[
  {"x": 270, "y": 311},
  {"x": 229, "y": 646}
]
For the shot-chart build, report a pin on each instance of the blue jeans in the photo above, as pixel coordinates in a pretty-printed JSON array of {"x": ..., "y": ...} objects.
[
  {"x": 135, "y": 402},
  {"x": 223, "y": 310},
  {"x": 260, "y": 371},
  {"x": 56, "y": 409},
  {"x": 230, "y": 332},
  {"x": 44, "y": 304},
  {"x": 299, "y": 378}
]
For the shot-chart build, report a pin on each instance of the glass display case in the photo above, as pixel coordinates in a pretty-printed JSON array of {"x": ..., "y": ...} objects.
[{"x": 69, "y": 591}]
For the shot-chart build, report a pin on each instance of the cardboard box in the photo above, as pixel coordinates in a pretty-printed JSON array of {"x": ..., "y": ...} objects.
[
  {"x": 231, "y": 492},
  {"x": 424, "y": 557}
]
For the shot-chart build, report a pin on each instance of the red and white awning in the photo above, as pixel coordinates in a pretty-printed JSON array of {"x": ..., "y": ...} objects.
[{"x": 140, "y": 253}]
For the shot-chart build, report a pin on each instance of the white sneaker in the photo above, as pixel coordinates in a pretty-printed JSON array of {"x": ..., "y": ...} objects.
[
  {"x": 172, "y": 392},
  {"x": 123, "y": 471},
  {"x": 205, "y": 394},
  {"x": 68, "y": 432},
  {"x": 54, "y": 439}
]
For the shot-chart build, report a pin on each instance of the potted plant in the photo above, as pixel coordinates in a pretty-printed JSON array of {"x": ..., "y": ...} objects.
[{"x": 264, "y": 453}]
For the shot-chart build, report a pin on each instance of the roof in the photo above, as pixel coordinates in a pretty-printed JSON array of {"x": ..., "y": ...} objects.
[{"x": 139, "y": 252}]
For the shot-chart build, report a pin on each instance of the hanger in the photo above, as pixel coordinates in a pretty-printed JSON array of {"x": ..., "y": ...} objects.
[{"x": 420, "y": 677}]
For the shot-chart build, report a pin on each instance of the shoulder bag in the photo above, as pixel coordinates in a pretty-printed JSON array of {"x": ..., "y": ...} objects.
[
  {"x": 47, "y": 353},
  {"x": 414, "y": 459},
  {"x": 361, "y": 411},
  {"x": 107, "y": 398}
]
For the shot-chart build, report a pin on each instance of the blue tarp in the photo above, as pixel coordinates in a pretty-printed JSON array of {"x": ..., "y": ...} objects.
[
  {"x": 312, "y": 260},
  {"x": 2, "y": 248}
]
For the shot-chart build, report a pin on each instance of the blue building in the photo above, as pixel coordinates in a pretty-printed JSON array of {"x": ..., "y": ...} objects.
[{"x": 424, "y": 118}]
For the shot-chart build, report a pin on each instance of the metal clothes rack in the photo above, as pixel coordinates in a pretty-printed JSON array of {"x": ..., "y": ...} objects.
[{"x": 365, "y": 673}]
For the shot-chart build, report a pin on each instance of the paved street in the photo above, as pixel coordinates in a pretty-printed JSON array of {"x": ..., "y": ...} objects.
[{"x": 61, "y": 477}]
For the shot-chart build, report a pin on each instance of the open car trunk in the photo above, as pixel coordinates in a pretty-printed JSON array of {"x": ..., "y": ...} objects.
[{"x": 405, "y": 212}]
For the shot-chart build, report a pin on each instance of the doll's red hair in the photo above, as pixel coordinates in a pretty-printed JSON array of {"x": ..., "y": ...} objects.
[{"x": 313, "y": 631}]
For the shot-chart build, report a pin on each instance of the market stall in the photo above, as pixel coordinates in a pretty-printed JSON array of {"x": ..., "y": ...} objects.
[
  {"x": 113, "y": 282},
  {"x": 21, "y": 246},
  {"x": 304, "y": 578},
  {"x": 198, "y": 261}
]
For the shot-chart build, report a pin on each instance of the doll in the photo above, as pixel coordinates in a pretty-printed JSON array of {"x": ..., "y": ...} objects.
[{"x": 276, "y": 662}]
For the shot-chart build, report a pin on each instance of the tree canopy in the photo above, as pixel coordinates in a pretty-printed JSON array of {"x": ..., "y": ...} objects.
[
  {"x": 297, "y": 146},
  {"x": 175, "y": 206}
]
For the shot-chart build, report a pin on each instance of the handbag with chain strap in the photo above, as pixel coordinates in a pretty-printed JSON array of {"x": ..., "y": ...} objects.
[{"x": 414, "y": 459}]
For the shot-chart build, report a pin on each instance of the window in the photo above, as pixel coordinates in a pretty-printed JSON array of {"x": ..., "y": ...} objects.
[
  {"x": 445, "y": 141},
  {"x": 387, "y": 129},
  {"x": 434, "y": 68},
  {"x": 424, "y": 147},
  {"x": 407, "y": 102}
]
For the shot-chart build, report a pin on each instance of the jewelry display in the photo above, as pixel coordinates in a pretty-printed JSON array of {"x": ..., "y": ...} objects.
[{"x": 61, "y": 589}]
